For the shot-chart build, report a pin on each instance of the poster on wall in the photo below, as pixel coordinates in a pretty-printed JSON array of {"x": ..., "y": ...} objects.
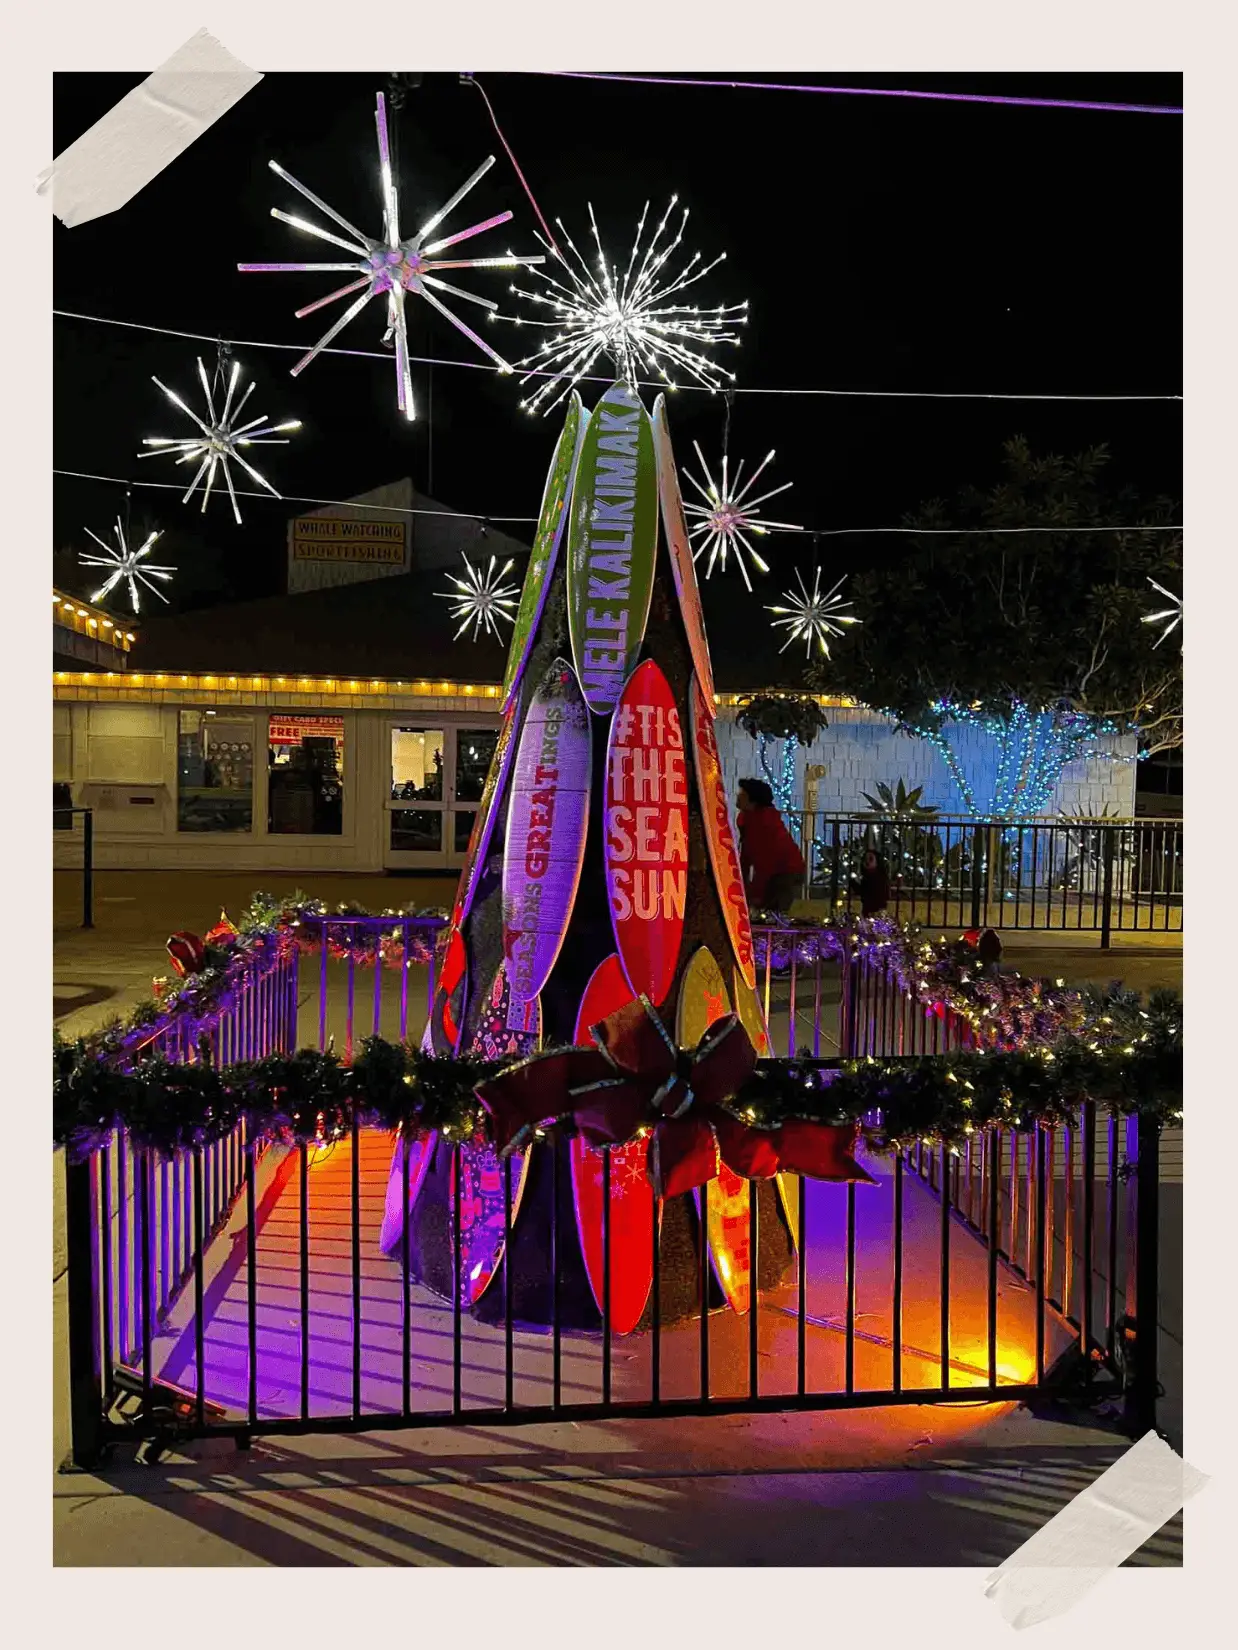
[{"x": 646, "y": 842}]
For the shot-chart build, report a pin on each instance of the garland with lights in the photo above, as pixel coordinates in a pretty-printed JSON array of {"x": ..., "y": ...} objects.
[
  {"x": 1128, "y": 1056},
  {"x": 1045, "y": 1047}
]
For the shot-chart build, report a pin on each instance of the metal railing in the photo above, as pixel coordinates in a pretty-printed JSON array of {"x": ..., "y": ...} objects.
[
  {"x": 63, "y": 820},
  {"x": 1025, "y": 1263},
  {"x": 1099, "y": 875}
]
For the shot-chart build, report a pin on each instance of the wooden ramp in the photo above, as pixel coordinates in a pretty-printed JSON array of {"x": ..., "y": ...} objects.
[{"x": 432, "y": 1354}]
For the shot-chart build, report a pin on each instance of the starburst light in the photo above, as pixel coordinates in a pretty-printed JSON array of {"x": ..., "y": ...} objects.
[
  {"x": 812, "y": 617},
  {"x": 481, "y": 598},
  {"x": 722, "y": 525},
  {"x": 129, "y": 565},
  {"x": 220, "y": 438},
  {"x": 1173, "y": 613},
  {"x": 628, "y": 318},
  {"x": 392, "y": 266}
]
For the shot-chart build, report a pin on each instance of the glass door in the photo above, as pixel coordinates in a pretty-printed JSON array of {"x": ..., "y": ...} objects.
[
  {"x": 436, "y": 778},
  {"x": 416, "y": 808}
]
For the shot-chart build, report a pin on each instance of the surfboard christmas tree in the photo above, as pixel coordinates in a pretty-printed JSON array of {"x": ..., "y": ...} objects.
[{"x": 602, "y": 867}]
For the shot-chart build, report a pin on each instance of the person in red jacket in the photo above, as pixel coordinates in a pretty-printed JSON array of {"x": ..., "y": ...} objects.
[{"x": 769, "y": 857}]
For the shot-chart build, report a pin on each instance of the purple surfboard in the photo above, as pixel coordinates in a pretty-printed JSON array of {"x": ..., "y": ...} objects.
[{"x": 547, "y": 818}]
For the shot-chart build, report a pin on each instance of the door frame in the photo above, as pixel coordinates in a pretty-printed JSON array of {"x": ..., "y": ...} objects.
[{"x": 451, "y": 724}]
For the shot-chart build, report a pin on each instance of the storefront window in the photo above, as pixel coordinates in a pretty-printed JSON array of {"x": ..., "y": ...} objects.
[
  {"x": 215, "y": 771},
  {"x": 417, "y": 830},
  {"x": 416, "y": 765},
  {"x": 305, "y": 775},
  {"x": 463, "y": 830},
  {"x": 474, "y": 748}
]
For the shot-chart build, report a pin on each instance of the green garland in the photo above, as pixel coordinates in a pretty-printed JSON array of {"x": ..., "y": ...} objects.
[{"x": 1130, "y": 1058}]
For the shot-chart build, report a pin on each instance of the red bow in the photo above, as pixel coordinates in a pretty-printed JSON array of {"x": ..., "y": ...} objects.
[
  {"x": 187, "y": 952},
  {"x": 636, "y": 1079}
]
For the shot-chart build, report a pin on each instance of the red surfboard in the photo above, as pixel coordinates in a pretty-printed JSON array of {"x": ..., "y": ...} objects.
[
  {"x": 702, "y": 1000},
  {"x": 646, "y": 839},
  {"x": 675, "y": 526},
  {"x": 631, "y": 1195},
  {"x": 723, "y": 855}
]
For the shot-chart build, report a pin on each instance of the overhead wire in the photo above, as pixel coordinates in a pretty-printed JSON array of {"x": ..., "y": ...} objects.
[
  {"x": 481, "y": 366},
  {"x": 800, "y": 533}
]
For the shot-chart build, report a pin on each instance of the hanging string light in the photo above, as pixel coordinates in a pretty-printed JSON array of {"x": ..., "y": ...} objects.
[
  {"x": 221, "y": 435},
  {"x": 627, "y": 318},
  {"x": 482, "y": 598},
  {"x": 393, "y": 266},
  {"x": 812, "y": 617},
  {"x": 722, "y": 525},
  {"x": 129, "y": 565}
]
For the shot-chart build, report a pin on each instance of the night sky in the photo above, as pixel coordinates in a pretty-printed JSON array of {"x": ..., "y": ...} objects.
[{"x": 881, "y": 243}]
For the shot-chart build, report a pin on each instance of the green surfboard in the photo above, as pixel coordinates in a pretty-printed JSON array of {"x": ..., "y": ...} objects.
[
  {"x": 612, "y": 540},
  {"x": 550, "y": 524}
]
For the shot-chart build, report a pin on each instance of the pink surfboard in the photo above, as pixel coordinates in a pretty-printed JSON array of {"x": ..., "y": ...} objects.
[
  {"x": 723, "y": 854},
  {"x": 547, "y": 819},
  {"x": 646, "y": 837},
  {"x": 675, "y": 526},
  {"x": 505, "y": 1030},
  {"x": 631, "y": 1195},
  {"x": 702, "y": 1000}
]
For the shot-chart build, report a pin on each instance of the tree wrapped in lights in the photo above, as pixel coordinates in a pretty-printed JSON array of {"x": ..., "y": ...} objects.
[{"x": 1034, "y": 639}]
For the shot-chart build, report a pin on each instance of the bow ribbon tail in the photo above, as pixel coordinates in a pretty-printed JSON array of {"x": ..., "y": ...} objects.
[{"x": 523, "y": 1096}]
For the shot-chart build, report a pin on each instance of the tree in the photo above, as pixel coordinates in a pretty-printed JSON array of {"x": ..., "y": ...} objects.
[{"x": 1036, "y": 638}]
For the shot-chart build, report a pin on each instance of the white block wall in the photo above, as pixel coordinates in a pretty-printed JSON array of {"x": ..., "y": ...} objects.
[{"x": 860, "y": 749}]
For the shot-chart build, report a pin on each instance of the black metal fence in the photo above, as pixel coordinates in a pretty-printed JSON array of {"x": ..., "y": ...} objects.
[
  {"x": 239, "y": 1289},
  {"x": 1101, "y": 875},
  {"x": 81, "y": 822}
]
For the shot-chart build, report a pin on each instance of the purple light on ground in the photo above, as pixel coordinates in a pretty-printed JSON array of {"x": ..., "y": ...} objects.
[{"x": 876, "y": 91}]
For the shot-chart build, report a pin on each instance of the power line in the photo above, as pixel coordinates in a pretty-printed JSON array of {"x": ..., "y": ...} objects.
[
  {"x": 298, "y": 498},
  {"x": 480, "y": 366},
  {"x": 802, "y": 533},
  {"x": 871, "y": 91}
]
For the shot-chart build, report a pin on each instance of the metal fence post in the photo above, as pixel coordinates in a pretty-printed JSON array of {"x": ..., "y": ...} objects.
[
  {"x": 1106, "y": 908},
  {"x": 86, "y": 1418},
  {"x": 1144, "y": 1387},
  {"x": 977, "y": 873},
  {"x": 88, "y": 868}
]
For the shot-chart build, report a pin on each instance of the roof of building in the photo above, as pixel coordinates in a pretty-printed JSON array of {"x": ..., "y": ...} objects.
[
  {"x": 390, "y": 628},
  {"x": 399, "y": 628}
]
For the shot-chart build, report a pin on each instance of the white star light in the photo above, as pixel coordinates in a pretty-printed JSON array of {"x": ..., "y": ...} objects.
[
  {"x": 729, "y": 515},
  {"x": 391, "y": 267},
  {"x": 625, "y": 317},
  {"x": 1173, "y": 612},
  {"x": 481, "y": 598},
  {"x": 811, "y": 618},
  {"x": 220, "y": 438},
  {"x": 125, "y": 564}
]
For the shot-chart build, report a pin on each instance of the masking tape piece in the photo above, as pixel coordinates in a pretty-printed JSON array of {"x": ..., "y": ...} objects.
[
  {"x": 1094, "y": 1533},
  {"x": 146, "y": 131}
]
